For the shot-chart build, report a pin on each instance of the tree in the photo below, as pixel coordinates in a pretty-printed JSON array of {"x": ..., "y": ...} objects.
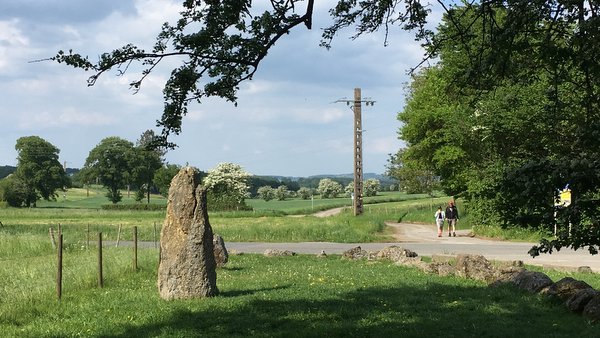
[
  {"x": 111, "y": 161},
  {"x": 329, "y": 188},
  {"x": 147, "y": 160},
  {"x": 305, "y": 193},
  {"x": 226, "y": 187},
  {"x": 266, "y": 193},
  {"x": 508, "y": 70},
  {"x": 371, "y": 187},
  {"x": 39, "y": 173},
  {"x": 282, "y": 192},
  {"x": 13, "y": 191},
  {"x": 349, "y": 189},
  {"x": 164, "y": 175}
]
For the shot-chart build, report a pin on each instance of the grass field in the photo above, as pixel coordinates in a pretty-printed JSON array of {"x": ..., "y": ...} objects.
[{"x": 300, "y": 296}]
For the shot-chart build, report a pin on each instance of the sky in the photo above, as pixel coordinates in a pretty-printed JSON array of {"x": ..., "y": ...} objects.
[{"x": 286, "y": 121}]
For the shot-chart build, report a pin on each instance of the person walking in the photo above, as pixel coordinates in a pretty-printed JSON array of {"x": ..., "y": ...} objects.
[
  {"x": 440, "y": 216},
  {"x": 452, "y": 216}
]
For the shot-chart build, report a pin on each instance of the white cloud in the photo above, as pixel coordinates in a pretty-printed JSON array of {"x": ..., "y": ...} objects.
[
  {"x": 67, "y": 119},
  {"x": 381, "y": 145},
  {"x": 12, "y": 44}
]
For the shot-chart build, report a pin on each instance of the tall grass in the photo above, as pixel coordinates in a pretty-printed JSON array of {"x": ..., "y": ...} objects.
[{"x": 344, "y": 228}]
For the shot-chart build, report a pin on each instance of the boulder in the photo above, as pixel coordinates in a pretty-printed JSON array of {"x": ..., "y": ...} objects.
[
  {"x": 565, "y": 288},
  {"x": 579, "y": 300},
  {"x": 506, "y": 274},
  {"x": 187, "y": 267},
  {"x": 275, "y": 252},
  {"x": 220, "y": 251},
  {"x": 355, "y": 253},
  {"x": 592, "y": 309},
  {"x": 475, "y": 267},
  {"x": 395, "y": 253},
  {"x": 440, "y": 268},
  {"x": 531, "y": 281}
]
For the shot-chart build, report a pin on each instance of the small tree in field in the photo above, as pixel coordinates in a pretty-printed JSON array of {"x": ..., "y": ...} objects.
[
  {"x": 329, "y": 188},
  {"x": 304, "y": 193},
  {"x": 371, "y": 187},
  {"x": 266, "y": 193},
  {"x": 39, "y": 174},
  {"x": 282, "y": 193},
  {"x": 227, "y": 187},
  {"x": 111, "y": 162}
]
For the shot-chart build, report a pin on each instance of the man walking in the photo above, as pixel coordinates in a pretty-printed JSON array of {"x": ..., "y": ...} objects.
[{"x": 452, "y": 217}]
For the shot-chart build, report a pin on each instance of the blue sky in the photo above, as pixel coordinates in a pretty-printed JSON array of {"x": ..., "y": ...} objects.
[{"x": 285, "y": 122}]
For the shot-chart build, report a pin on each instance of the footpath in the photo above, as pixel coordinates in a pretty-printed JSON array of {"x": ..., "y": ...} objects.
[{"x": 423, "y": 240}]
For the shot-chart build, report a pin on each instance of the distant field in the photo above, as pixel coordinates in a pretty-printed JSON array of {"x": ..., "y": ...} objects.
[{"x": 80, "y": 217}]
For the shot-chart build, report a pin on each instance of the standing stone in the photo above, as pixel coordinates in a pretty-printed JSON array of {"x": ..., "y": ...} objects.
[{"x": 187, "y": 267}]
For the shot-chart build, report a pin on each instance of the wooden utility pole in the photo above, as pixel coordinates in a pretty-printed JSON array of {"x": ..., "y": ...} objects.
[
  {"x": 358, "y": 163},
  {"x": 357, "y": 201}
]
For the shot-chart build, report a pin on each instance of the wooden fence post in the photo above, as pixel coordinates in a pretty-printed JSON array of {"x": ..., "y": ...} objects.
[
  {"x": 60, "y": 266},
  {"x": 118, "y": 235},
  {"x": 135, "y": 248},
  {"x": 52, "y": 239},
  {"x": 154, "y": 235},
  {"x": 88, "y": 237},
  {"x": 100, "y": 277}
]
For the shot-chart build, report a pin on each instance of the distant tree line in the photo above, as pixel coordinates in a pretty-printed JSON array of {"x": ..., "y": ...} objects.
[{"x": 119, "y": 164}]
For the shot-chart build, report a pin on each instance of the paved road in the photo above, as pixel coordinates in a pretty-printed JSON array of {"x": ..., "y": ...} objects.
[{"x": 423, "y": 240}]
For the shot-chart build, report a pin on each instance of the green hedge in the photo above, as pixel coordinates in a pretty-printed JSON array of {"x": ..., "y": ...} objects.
[{"x": 144, "y": 206}]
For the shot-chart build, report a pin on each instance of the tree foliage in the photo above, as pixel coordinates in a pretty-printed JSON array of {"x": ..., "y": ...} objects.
[
  {"x": 164, "y": 175},
  {"x": 111, "y": 162},
  {"x": 39, "y": 173},
  {"x": 266, "y": 193},
  {"x": 147, "y": 160},
  {"x": 510, "y": 115}
]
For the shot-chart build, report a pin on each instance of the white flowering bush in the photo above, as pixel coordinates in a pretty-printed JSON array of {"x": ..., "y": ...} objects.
[
  {"x": 227, "y": 187},
  {"x": 329, "y": 188}
]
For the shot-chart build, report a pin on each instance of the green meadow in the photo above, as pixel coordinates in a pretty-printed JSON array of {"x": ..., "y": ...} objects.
[{"x": 298, "y": 296}]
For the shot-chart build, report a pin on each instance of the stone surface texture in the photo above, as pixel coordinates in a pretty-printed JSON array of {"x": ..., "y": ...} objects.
[{"x": 187, "y": 267}]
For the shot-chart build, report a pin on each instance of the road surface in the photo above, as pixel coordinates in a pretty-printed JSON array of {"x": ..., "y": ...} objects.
[{"x": 423, "y": 240}]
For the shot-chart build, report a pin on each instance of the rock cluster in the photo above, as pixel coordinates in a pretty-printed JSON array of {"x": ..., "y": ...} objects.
[{"x": 577, "y": 295}]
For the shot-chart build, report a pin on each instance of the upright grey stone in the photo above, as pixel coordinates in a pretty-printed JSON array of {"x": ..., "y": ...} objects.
[
  {"x": 221, "y": 254},
  {"x": 187, "y": 267}
]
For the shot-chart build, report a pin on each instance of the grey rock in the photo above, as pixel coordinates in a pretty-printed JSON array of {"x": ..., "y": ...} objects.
[
  {"x": 531, "y": 281},
  {"x": 355, "y": 253},
  {"x": 474, "y": 267},
  {"x": 220, "y": 251},
  {"x": 565, "y": 288},
  {"x": 579, "y": 300},
  {"x": 187, "y": 267},
  {"x": 592, "y": 309},
  {"x": 275, "y": 253}
]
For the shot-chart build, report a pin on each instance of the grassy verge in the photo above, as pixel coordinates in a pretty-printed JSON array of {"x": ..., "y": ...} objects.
[{"x": 300, "y": 296}]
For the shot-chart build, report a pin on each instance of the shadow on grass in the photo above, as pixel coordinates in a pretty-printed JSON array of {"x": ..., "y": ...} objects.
[
  {"x": 238, "y": 293},
  {"x": 431, "y": 311}
]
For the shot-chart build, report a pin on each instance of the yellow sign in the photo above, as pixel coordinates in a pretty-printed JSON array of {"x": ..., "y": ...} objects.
[{"x": 565, "y": 197}]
